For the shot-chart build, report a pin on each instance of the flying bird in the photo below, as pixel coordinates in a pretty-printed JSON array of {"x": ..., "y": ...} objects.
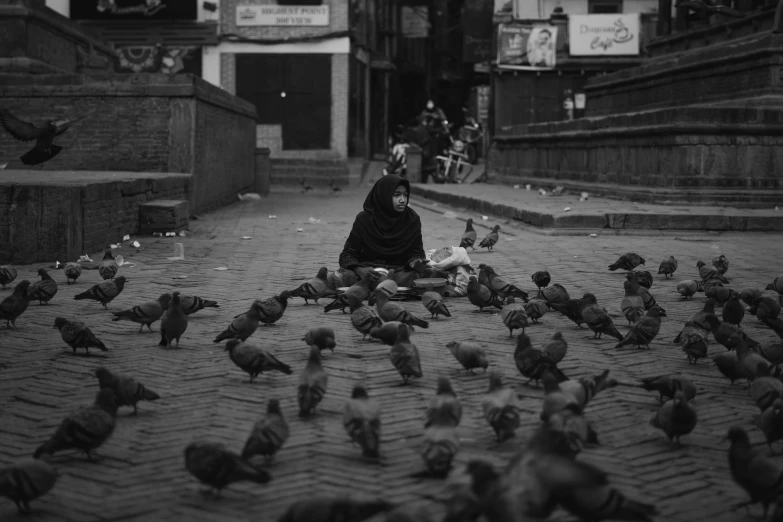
[{"x": 43, "y": 135}]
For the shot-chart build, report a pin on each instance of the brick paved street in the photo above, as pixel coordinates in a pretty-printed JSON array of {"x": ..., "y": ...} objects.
[{"x": 140, "y": 474}]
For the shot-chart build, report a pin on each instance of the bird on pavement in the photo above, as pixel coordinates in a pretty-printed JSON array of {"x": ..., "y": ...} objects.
[
  {"x": 43, "y": 134},
  {"x": 469, "y": 354},
  {"x": 104, "y": 292},
  {"x": 709, "y": 273},
  {"x": 598, "y": 320},
  {"x": 314, "y": 288},
  {"x": 572, "y": 308},
  {"x": 108, "y": 267},
  {"x": 362, "y": 421},
  {"x": 514, "y": 316},
  {"x": 688, "y": 288},
  {"x": 215, "y": 466},
  {"x": 404, "y": 355},
  {"x": 627, "y": 261},
  {"x": 146, "y": 313},
  {"x": 268, "y": 434},
  {"x": 556, "y": 347},
  {"x": 15, "y": 304},
  {"x": 500, "y": 286},
  {"x": 77, "y": 335},
  {"x": 632, "y": 287},
  {"x": 192, "y": 304},
  {"x": 541, "y": 279},
  {"x": 389, "y": 311},
  {"x": 445, "y": 401},
  {"x": 312, "y": 384},
  {"x": 253, "y": 359},
  {"x": 532, "y": 363},
  {"x": 44, "y": 290},
  {"x": 272, "y": 308},
  {"x": 675, "y": 417},
  {"x": 322, "y": 337},
  {"x": 535, "y": 309},
  {"x": 72, "y": 271},
  {"x": 433, "y": 302},
  {"x": 364, "y": 318},
  {"x": 243, "y": 325},
  {"x": 469, "y": 236},
  {"x": 759, "y": 475},
  {"x": 668, "y": 267},
  {"x": 26, "y": 480},
  {"x": 481, "y": 296},
  {"x": 128, "y": 391},
  {"x": 173, "y": 322},
  {"x": 360, "y": 289},
  {"x": 7, "y": 275},
  {"x": 693, "y": 340},
  {"x": 645, "y": 330},
  {"x": 490, "y": 239},
  {"x": 500, "y": 408}
]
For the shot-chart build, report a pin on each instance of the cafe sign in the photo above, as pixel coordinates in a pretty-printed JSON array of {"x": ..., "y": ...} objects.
[
  {"x": 278, "y": 15},
  {"x": 603, "y": 34}
]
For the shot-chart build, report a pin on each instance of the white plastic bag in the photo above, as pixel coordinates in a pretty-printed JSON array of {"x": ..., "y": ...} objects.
[{"x": 449, "y": 257}]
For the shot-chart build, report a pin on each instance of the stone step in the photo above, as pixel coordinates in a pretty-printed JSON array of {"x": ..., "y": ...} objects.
[
  {"x": 163, "y": 215},
  {"x": 314, "y": 172}
]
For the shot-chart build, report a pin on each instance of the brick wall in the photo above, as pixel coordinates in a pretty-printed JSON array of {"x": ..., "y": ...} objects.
[
  {"x": 46, "y": 217},
  {"x": 144, "y": 123}
]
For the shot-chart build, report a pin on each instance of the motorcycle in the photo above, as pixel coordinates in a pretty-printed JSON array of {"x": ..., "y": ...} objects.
[
  {"x": 453, "y": 167},
  {"x": 398, "y": 156},
  {"x": 472, "y": 135}
]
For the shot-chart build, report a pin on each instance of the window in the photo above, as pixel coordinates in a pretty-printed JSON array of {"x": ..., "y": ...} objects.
[{"x": 604, "y": 6}]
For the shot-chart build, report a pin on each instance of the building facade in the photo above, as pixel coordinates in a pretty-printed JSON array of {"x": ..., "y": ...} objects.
[{"x": 290, "y": 61}]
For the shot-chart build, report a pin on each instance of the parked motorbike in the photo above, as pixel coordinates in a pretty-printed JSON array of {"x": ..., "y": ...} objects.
[
  {"x": 453, "y": 167},
  {"x": 398, "y": 160},
  {"x": 472, "y": 135}
]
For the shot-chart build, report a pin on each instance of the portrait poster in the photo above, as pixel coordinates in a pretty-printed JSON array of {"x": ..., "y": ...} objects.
[{"x": 527, "y": 46}]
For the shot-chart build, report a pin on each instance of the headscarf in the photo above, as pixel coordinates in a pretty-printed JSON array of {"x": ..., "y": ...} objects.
[{"x": 380, "y": 227}]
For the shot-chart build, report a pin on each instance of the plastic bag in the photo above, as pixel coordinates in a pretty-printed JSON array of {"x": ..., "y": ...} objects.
[{"x": 448, "y": 257}]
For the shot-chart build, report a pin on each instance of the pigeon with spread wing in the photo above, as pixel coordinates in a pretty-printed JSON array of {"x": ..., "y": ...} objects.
[{"x": 43, "y": 135}]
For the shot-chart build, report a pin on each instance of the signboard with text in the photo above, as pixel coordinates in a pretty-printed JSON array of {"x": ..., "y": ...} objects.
[
  {"x": 526, "y": 46},
  {"x": 603, "y": 34},
  {"x": 277, "y": 15}
]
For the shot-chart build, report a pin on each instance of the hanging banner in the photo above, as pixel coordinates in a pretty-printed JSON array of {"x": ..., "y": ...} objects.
[
  {"x": 133, "y": 10},
  {"x": 603, "y": 35},
  {"x": 477, "y": 30},
  {"x": 526, "y": 46}
]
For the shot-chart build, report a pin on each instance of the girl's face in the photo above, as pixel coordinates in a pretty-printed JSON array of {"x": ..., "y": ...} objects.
[{"x": 400, "y": 198}]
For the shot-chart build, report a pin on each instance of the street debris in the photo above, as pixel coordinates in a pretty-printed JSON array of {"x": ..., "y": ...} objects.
[
  {"x": 449, "y": 214},
  {"x": 136, "y": 244},
  {"x": 183, "y": 233},
  {"x": 485, "y": 218},
  {"x": 300, "y": 230},
  {"x": 584, "y": 197},
  {"x": 542, "y": 192},
  {"x": 314, "y": 220},
  {"x": 157, "y": 234},
  {"x": 221, "y": 268},
  {"x": 85, "y": 258},
  {"x": 593, "y": 235},
  {"x": 171, "y": 234},
  {"x": 115, "y": 245},
  {"x": 516, "y": 186},
  {"x": 566, "y": 209},
  {"x": 55, "y": 265},
  {"x": 179, "y": 277},
  {"x": 272, "y": 216},
  {"x": 250, "y": 196},
  {"x": 246, "y": 237},
  {"x": 557, "y": 191},
  {"x": 126, "y": 237},
  {"x": 528, "y": 187},
  {"x": 179, "y": 252}
]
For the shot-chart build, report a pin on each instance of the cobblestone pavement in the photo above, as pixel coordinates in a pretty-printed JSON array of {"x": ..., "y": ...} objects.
[{"x": 140, "y": 474}]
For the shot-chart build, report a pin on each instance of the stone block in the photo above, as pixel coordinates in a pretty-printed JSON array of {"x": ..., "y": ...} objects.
[{"x": 163, "y": 215}]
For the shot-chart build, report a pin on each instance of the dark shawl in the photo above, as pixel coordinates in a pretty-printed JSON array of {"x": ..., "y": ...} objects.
[{"x": 380, "y": 232}]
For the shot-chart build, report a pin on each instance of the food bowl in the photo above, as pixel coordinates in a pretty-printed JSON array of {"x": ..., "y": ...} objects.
[{"x": 438, "y": 285}]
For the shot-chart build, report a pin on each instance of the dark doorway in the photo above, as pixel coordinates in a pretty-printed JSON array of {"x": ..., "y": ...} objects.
[{"x": 291, "y": 90}]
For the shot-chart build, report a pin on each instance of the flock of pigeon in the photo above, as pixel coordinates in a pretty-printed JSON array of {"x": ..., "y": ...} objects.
[{"x": 543, "y": 476}]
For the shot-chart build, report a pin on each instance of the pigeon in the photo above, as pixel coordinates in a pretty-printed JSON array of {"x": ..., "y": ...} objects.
[
  {"x": 329, "y": 509},
  {"x": 426, "y": 272},
  {"x": 86, "y": 429},
  {"x": 128, "y": 391},
  {"x": 765, "y": 388},
  {"x": 541, "y": 279},
  {"x": 146, "y": 313},
  {"x": 644, "y": 278},
  {"x": 305, "y": 186},
  {"x": 693, "y": 340},
  {"x": 108, "y": 267},
  {"x": 362, "y": 421},
  {"x": 584, "y": 389},
  {"x": 689, "y": 287},
  {"x": 314, "y": 288},
  {"x": 514, "y": 316},
  {"x": 440, "y": 445},
  {"x": 747, "y": 361},
  {"x": 757, "y": 474},
  {"x": 770, "y": 422},
  {"x": 567, "y": 432},
  {"x": 724, "y": 332},
  {"x": 532, "y": 363},
  {"x": 104, "y": 292},
  {"x": 733, "y": 310},
  {"x": 269, "y": 433},
  {"x": 776, "y": 284},
  {"x": 711, "y": 283},
  {"x": 727, "y": 364},
  {"x": 77, "y": 335},
  {"x": 499, "y": 286},
  {"x": 43, "y": 134},
  {"x": 721, "y": 264},
  {"x": 750, "y": 294},
  {"x": 243, "y": 325},
  {"x": 675, "y": 417},
  {"x": 573, "y": 307},
  {"x": 771, "y": 351},
  {"x": 433, "y": 302},
  {"x": 632, "y": 305},
  {"x": 500, "y": 408},
  {"x": 44, "y": 290},
  {"x": 668, "y": 267},
  {"x": 26, "y": 480},
  {"x": 556, "y": 348},
  {"x": 666, "y": 385},
  {"x": 632, "y": 287},
  {"x": 555, "y": 294},
  {"x": 322, "y": 337},
  {"x": 386, "y": 333},
  {"x": 775, "y": 324},
  {"x": 598, "y": 320},
  {"x": 272, "y": 308},
  {"x": 764, "y": 307},
  {"x": 334, "y": 187},
  {"x": 72, "y": 271},
  {"x": 212, "y": 464},
  {"x": 535, "y": 309},
  {"x": 404, "y": 355},
  {"x": 361, "y": 290},
  {"x": 192, "y": 304},
  {"x": 15, "y": 304},
  {"x": 481, "y": 296},
  {"x": 708, "y": 273},
  {"x": 7, "y": 275},
  {"x": 645, "y": 330},
  {"x": 627, "y": 261},
  {"x": 721, "y": 294},
  {"x": 444, "y": 402},
  {"x": 173, "y": 322},
  {"x": 469, "y": 236},
  {"x": 312, "y": 384},
  {"x": 555, "y": 399},
  {"x": 364, "y": 318},
  {"x": 490, "y": 239},
  {"x": 387, "y": 286},
  {"x": 699, "y": 319},
  {"x": 389, "y": 311},
  {"x": 253, "y": 359},
  {"x": 469, "y": 354}
]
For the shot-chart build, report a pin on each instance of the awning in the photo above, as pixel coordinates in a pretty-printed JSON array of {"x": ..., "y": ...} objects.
[{"x": 150, "y": 33}]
